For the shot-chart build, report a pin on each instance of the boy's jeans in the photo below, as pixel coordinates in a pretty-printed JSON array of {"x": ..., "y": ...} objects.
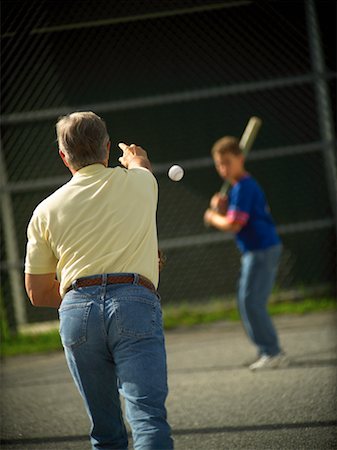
[
  {"x": 113, "y": 341},
  {"x": 258, "y": 272}
]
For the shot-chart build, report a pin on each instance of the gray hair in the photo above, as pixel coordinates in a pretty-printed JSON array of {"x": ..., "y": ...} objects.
[{"x": 83, "y": 138}]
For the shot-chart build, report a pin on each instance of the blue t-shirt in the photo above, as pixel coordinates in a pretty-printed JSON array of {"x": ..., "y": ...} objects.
[{"x": 247, "y": 205}]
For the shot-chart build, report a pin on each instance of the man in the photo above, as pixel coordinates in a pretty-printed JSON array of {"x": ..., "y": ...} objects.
[
  {"x": 246, "y": 213},
  {"x": 98, "y": 235}
]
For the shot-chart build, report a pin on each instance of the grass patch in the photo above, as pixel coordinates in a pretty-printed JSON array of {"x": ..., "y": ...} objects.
[
  {"x": 188, "y": 315},
  {"x": 31, "y": 343},
  {"x": 303, "y": 306},
  {"x": 182, "y": 315}
]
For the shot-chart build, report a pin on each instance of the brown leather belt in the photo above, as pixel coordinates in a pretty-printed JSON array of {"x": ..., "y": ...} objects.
[{"x": 114, "y": 279}]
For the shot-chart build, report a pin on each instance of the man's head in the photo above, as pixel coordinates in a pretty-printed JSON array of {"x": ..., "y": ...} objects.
[
  {"x": 228, "y": 158},
  {"x": 83, "y": 140}
]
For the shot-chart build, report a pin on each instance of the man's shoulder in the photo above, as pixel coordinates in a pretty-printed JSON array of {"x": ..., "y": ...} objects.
[
  {"x": 135, "y": 171},
  {"x": 143, "y": 177},
  {"x": 143, "y": 171},
  {"x": 54, "y": 199}
]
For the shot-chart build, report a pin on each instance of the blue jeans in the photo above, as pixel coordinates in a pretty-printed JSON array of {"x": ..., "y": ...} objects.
[
  {"x": 258, "y": 272},
  {"x": 114, "y": 343}
]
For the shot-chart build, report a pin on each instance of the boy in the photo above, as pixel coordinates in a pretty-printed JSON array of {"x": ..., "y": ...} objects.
[{"x": 246, "y": 213}]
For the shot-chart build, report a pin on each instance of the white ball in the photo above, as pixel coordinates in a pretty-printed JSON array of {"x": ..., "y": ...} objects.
[{"x": 176, "y": 173}]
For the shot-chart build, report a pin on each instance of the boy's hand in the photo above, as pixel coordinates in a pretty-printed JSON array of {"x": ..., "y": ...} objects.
[
  {"x": 208, "y": 216},
  {"x": 219, "y": 203}
]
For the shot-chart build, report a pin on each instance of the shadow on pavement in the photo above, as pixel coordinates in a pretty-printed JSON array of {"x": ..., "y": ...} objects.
[
  {"x": 261, "y": 427},
  {"x": 212, "y": 430}
]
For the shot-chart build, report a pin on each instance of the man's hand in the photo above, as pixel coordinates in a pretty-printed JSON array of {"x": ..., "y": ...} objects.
[
  {"x": 134, "y": 156},
  {"x": 161, "y": 260},
  {"x": 219, "y": 203}
]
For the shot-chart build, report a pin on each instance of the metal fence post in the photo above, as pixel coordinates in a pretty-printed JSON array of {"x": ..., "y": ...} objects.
[
  {"x": 15, "y": 273},
  {"x": 323, "y": 103}
]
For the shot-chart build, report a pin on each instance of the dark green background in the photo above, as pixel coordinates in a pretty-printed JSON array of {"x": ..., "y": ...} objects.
[{"x": 260, "y": 41}]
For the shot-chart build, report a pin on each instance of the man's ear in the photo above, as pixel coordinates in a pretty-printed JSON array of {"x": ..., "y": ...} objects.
[
  {"x": 108, "y": 146},
  {"x": 64, "y": 158}
]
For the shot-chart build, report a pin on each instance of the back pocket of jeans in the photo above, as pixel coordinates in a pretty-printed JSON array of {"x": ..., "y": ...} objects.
[
  {"x": 135, "y": 317},
  {"x": 74, "y": 323}
]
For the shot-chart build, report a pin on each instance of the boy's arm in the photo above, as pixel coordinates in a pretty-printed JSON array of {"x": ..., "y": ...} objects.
[
  {"x": 237, "y": 213},
  {"x": 221, "y": 222}
]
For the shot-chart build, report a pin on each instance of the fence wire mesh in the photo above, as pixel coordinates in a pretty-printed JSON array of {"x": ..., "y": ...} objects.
[{"x": 174, "y": 76}]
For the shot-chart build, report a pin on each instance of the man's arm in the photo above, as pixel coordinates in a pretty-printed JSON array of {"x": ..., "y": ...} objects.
[
  {"x": 221, "y": 222},
  {"x": 43, "y": 290}
]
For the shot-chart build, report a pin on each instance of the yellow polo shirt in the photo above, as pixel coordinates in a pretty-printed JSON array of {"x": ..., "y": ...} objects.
[{"x": 102, "y": 221}]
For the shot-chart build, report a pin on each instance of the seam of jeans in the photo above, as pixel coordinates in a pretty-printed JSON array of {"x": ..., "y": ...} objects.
[
  {"x": 102, "y": 322},
  {"x": 84, "y": 324}
]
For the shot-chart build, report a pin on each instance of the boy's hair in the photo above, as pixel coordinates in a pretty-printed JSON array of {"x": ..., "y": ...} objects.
[
  {"x": 83, "y": 138},
  {"x": 226, "y": 144}
]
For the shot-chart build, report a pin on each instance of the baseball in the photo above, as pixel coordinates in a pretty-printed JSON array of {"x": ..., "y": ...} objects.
[{"x": 176, "y": 173}]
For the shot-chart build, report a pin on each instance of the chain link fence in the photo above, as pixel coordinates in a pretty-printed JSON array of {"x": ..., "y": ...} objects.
[{"x": 174, "y": 76}]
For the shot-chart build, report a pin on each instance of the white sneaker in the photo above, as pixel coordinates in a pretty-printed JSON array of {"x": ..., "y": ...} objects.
[{"x": 270, "y": 362}]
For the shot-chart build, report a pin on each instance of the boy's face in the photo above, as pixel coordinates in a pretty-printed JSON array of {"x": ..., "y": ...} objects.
[{"x": 229, "y": 166}]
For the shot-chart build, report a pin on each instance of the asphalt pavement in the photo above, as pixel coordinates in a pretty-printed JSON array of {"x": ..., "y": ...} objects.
[{"x": 215, "y": 402}]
